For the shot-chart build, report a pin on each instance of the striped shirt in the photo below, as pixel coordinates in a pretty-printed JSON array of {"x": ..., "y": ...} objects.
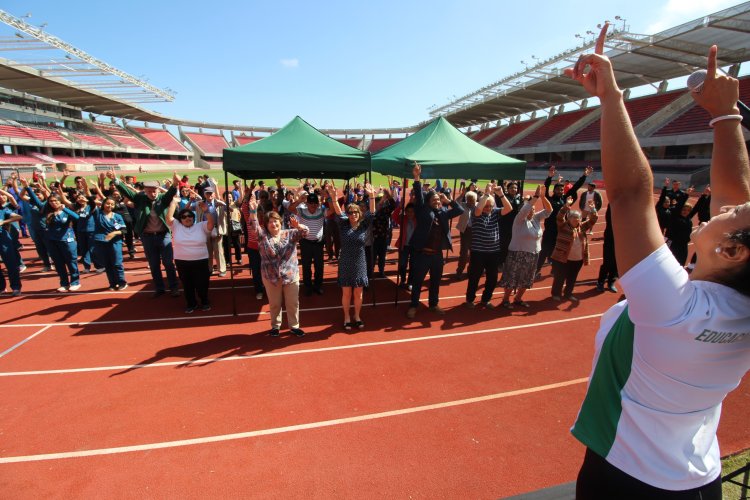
[
  {"x": 314, "y": 221},
  {"x": 485, "y": 232}
]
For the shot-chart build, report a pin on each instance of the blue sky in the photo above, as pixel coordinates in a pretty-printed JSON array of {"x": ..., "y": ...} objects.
[{"x": 337, "y": 64}]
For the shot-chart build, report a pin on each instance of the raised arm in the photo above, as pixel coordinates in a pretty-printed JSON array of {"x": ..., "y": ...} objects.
[
  {"x": 507, "y": 207},
  {"x": 730, "y": 169},
  {"x": 169, "y": 215},
  {"x": 334, "y": 199},
  {"x": 417, "y": 186},
  {"x": 625, "y": 168}
]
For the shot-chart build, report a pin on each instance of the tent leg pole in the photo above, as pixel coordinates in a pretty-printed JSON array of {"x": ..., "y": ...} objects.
[
  {"x": 229, "y": 226},
  {"x": 401, "y": 235}
]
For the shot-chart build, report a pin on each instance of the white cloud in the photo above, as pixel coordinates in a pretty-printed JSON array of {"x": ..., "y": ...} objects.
[
  {"x": 676, "y": 12},
  {"x": 290, "y": 63}
]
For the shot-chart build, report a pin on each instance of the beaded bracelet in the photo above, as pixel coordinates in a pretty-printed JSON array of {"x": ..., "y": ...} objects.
[{"x": 724, "y": 117}]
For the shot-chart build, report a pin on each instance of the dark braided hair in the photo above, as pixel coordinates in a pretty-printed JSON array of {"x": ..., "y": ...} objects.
[{"x": 740, "y": 280}]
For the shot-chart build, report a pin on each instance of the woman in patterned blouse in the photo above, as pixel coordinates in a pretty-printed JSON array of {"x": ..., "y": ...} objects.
[{"x": 279, "y": 268}]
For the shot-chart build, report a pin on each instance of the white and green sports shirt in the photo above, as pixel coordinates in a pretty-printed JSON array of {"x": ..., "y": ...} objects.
[{"x": 665, "y": 359}]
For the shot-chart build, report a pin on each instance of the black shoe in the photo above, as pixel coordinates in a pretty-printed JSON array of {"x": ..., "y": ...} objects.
[
  {"x": 158, "y": 293},
  {"x": 347, "y": 326},
  {"x": 189, "y": 310},
  {"x": 319, "y": 291},
  {"x": 612, "y": 288},
  {"x": 600, "y": 287},
  {"x": 274, "y": 332},
  {"x": 359, "y": 324},
  {"x": 174, "y": 292},
  {"x": 206, "y": 307},
  {"x": 297, "y": 332}
]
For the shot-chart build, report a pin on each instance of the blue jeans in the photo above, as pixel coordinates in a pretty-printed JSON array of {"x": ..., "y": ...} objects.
[
  {"x": 109, "y": 254},
  {"x": 423, "y": 263},
  {"x": 158, "y": 250},
  {"x": 65, "y": 258},
  {"x": 9, "y": 255}
]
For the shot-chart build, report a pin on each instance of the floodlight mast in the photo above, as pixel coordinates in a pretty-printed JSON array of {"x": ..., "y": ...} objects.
[{"x": 40, "y": 35}]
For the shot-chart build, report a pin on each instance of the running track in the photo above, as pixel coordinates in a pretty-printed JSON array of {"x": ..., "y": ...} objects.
[{"x": 117, "y": 395}]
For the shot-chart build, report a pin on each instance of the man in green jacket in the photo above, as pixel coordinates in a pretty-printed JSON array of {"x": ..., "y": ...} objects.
[{"x": 151, "y": 227}]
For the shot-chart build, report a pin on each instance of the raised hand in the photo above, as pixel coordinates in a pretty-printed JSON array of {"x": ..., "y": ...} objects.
[
  {"x": 416, "y": 171},
  {"x": 176, "y": 178},
  {"x": 666, "y": 182},
  {"x": 719, "y": 93},
  {"x": 489, "y": 188},
  {"x": 293, "y": 223},
  {"x": 252, "y": 203},
  {"x": 538, "y": 192},
  {"x": 707, "y": 191},
  {"x": 690, "y": 190},
  {"x": 569, "y": 200},
  {"x": 369, "y": 189},
  {"x": 24, "y": 182},
  {"x": 599, "y": 80},
  {"x": 551, "y": 171},
  {"x": 588, "y": 170},
  {"x": 111, "y": 173}
]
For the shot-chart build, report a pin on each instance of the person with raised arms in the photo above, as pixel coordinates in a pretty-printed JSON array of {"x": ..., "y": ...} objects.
[
  {"x": 151, "y": 226},
  {"x": 430, "y": 238},
  {"x": 667, "y": 356},
  {"x": 279, "y": 267}
]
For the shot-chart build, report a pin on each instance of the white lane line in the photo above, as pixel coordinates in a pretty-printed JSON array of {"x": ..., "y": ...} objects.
[
  {"x": 11, "y": 349},
  {"x": 289, "y": 428},
  {"x": 300, "y": 351},
  {"x": 258, "y": 313}
]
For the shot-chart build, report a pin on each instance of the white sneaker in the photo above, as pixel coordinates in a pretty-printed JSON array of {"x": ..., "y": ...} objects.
[
  {"x": 22, "y": 268},
  {"x": 62, "y": 289},
  {"x": 73, "y": 288}
]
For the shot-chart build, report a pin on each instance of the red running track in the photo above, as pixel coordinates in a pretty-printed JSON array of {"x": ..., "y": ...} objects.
[{"x": 117, "y": 395}]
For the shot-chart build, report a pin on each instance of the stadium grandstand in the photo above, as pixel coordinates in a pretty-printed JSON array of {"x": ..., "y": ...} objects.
[{"x": 67, "y": 109}]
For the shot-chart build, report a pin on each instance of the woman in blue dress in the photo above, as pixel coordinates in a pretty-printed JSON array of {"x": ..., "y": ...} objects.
[{"x": 352, "y": 263}]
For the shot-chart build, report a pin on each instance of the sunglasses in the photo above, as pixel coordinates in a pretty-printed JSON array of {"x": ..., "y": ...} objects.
[
  {"x": 353, "y": 212},
  {"x": 186, "y": 216}
]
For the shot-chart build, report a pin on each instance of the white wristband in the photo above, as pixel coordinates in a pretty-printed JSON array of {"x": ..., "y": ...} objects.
[{"x": 722, "y": 118}]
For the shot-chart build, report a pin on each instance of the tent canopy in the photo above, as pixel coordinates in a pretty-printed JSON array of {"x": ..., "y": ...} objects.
[
  {"x": 446, "y": 153},
  {"x": 298, "y": 150}
]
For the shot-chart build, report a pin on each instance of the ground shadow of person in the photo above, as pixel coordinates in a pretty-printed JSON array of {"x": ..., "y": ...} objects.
[{"x": 210, "y": 351}]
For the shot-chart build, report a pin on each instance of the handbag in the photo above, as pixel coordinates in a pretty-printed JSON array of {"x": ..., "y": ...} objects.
[{"x": 236, "y": 227}]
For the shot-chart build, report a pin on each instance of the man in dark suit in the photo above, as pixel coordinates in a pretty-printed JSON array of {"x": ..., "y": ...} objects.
[{"x": 430, "y": 238}]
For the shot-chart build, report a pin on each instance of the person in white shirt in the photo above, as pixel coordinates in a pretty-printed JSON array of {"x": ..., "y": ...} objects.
[
  {"x": 189, "y": 240},
  {"x": 668, "y": 355}
]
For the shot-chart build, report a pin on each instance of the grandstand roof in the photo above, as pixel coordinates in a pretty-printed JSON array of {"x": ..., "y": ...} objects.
[{"x": 638, "y": 59}]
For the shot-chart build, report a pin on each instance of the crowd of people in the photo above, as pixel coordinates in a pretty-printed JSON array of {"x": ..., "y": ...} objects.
[{"x": 190, "y": 232}]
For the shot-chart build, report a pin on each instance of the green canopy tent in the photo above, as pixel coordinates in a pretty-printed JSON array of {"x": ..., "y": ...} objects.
[
  {"x": 446, "y": 153},
  {"x": 298, "y": 150}
]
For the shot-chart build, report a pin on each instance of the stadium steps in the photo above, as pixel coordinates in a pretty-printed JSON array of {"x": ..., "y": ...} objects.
[
  {"x": 575, "y": 127},
  {"x": 551, "y": 127},
  {"x": 664, "y": 115},
  {"x": 525, "y": 131}
]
